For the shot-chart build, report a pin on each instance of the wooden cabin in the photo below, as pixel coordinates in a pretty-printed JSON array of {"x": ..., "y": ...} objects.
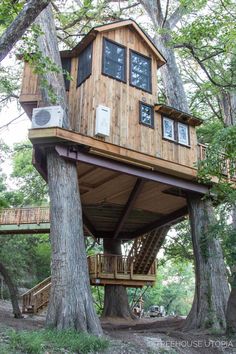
[{"x": 136, "y": 158}]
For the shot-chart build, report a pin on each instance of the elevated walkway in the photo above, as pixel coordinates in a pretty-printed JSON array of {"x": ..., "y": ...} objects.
[
  {"x": 25, "y": 220},
  {"x": 103, "y": 270}
]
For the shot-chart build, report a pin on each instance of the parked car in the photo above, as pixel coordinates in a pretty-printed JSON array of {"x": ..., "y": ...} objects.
[{"x": 156, "y": 311}]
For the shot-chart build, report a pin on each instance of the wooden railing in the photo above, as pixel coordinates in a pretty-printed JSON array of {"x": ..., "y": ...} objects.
[
  {"x": 108, "y": 267},
  {"x": 101, "y": 265},
  {"x": 226, "y": 166},
  {"x": 18, "y": 216},
  {"x": 37, "y": 297}
]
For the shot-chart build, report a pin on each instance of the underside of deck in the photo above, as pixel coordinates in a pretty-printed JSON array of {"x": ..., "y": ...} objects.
[{"x": 123, "y": 196}]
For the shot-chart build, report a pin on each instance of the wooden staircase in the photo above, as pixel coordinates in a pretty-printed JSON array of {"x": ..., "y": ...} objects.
[
  {"x": 36, "y": 299},
  {"x": 145, "y": 249}
]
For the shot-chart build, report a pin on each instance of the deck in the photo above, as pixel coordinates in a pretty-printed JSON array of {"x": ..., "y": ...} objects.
[{"x": 103, "y": 270}]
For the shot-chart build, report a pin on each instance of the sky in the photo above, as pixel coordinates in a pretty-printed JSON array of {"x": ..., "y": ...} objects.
[{"x": 18, "y": 130}]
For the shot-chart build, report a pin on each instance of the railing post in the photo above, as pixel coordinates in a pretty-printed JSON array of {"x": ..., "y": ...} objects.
[
  {"x": 115, "y": 266},
  {"x": 131, "y": 269}
]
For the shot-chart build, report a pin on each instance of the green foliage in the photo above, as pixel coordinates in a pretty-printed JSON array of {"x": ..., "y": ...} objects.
[
  {"x": 32, "y": 189},
  {"x": 41, "y": 341},
  {"x": 9, "y": 10},
  {"x": 174, "y": 289}
]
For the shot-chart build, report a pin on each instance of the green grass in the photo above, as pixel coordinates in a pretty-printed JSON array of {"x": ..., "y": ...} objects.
[{"x": 52, "y": 341}]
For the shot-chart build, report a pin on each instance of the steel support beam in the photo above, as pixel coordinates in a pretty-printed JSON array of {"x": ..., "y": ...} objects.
[
  {"x": 129, "y": 169},
  {"x": 129, "y": 206}
]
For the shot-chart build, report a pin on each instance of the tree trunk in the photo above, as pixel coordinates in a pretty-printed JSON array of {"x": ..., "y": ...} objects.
[
  {"x": 12, "y": 290},
  {"x": 116, "y": 302},
  {"x": 18, "y": 27},
  {"x": 70, "y": 304},
  {"x": 231, "y": 307},
  {"x": 211, "y": 287}
]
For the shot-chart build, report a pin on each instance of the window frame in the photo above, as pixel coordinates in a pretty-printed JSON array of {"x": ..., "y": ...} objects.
[
  {"x": 66, "y": 81},
  {"x": 125, "y": 59},
  {"x": 163, "y": 129},
  {"x": 152, "y": 114},
  {"x": 176, "y": 131},
  {"x": 131, "y": 51},
  {"x": 188, "y": 137},
  {"x": 79, "y": 83}
]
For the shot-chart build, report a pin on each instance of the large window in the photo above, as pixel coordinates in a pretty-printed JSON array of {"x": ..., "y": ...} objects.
[
  {"x": 66, "y": 66},
  {"x": 175, "y": 131},
  {"x": 140, "y": 71},
  {"x": 114, "y": 60},
  {"x": 85, "y": 64},
  {"x": 146, "y": 115}
]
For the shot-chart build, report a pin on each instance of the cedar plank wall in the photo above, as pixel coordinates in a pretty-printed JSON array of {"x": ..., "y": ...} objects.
[{"x": 123, "y": 100}]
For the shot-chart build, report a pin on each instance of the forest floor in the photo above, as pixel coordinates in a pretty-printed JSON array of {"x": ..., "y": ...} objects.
[{"x": 141, "y": 336}]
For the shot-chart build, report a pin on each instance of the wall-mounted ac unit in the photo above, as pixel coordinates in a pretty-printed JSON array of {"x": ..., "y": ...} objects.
[
  {"x": 103, "y": 118},
  {"x": 47, "y": 117}
]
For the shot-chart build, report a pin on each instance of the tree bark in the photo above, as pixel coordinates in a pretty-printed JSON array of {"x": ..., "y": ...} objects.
[
  {"x": 12, "y": 290},
  {"x": 116, "y": 302},
  {"x": 70, "y": 304},
  {"x": 18, "y": 27},
  {"x": 211, "y": 284},
  {"x": 208, "y": 275}
]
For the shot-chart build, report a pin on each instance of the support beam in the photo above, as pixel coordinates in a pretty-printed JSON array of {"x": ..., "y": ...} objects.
[
  {"x": 129, "y": 206},
  {"x": 113, "y": 165}
]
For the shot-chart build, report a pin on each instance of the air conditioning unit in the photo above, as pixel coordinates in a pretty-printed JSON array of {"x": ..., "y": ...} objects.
[
  {"x": 103, "y": 118},
  {"x": 47, "y": 117}
]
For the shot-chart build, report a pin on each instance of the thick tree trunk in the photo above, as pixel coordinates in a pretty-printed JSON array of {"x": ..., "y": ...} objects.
[
  {"x": 231, "y": 307},
  {"x": 12, "y": 290},
  {"x": 211, "y": 288},
  {"x": 209, "y": 291},
  {"x": 116, "y": 302},
  {"x": 18, "y": 27},
  {"x": 70, "y": 304}
]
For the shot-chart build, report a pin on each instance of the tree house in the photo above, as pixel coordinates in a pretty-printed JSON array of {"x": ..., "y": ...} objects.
[{"x": 135, "y": 157}]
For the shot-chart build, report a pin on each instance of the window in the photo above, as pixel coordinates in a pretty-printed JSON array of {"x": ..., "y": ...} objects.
[
  {"x": 146, "y": 115},
  {"x": 140, "y": 71},
  {"x": 85, "y": 65},
  {"x": 66, "y": 66},
  {"x": 183, "y": 134},
  {"x": 168, "y": 128},
  {"x": 114, "y": 60},
  {"x": 175, "y": 131}
]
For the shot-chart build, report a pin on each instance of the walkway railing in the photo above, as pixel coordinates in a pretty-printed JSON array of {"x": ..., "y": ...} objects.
[
  {"x": 18, "y": 216},
  {"x": 227, "y": 164}
]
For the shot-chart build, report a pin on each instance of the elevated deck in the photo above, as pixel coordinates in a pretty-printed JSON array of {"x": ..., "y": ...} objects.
[
  {"x": 103, "y": 270},
  {"x": 124, "y": 193}
]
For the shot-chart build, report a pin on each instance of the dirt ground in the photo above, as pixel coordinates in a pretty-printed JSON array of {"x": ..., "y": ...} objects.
[{"x": 142, "y": 336}]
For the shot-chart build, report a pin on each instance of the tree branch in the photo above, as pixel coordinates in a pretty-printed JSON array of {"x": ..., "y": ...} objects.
[
  {"x": 11, "y": 121},
  {"x": 166, "y": 14},
  {"x": 18, "y": 27},
  {"x": 176, "y": 16}
]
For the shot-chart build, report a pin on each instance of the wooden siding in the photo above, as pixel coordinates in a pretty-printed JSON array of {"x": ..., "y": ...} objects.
[{"x": 123, "y": 99}]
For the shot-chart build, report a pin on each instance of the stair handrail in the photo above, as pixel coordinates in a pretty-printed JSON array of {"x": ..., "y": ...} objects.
[{"x": 38, "y": 286}]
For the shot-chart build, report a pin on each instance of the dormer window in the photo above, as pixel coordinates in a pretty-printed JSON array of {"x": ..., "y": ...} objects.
[
  {"x": 85, "y": 64},
  {"x": 114, "y": 60},
  {"x": 140, "y": 71}
]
